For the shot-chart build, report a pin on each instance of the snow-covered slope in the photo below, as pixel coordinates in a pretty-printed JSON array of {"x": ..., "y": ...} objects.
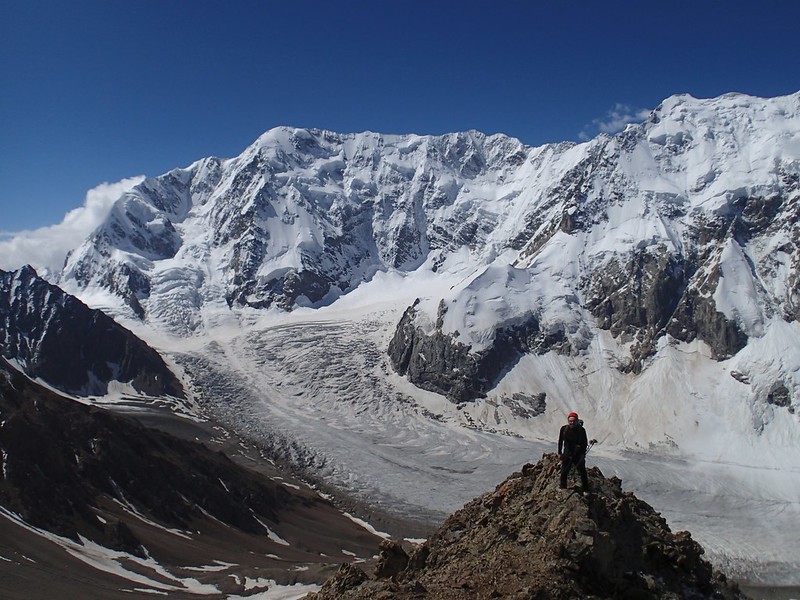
[{"x": 413, "y": 315}]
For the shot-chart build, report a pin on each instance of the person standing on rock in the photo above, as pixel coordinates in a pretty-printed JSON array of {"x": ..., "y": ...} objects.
[{"x": 572, "y": 445}]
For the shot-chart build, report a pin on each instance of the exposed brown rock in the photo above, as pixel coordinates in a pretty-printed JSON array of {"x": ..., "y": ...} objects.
[
  {"x": 392, "y": 559},
  {"x": 529, "y": 539}
]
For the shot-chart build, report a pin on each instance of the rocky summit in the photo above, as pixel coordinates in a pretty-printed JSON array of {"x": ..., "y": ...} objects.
[{"x": 529, "y": 539}]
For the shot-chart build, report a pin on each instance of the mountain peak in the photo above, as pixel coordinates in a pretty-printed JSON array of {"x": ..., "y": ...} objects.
[
  {"x": 530, "y": 539},
  {"x": 724, "y": 110}
]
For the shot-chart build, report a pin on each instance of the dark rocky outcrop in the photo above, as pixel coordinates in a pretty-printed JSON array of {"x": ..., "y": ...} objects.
[
  {"x": 640, "y": 295},
  {"x": 56, "y": 337},
  {"x": 658, "y": 292},
  {"x": 438, "y": 362},
  {"x": 130, "y": 284},
  {"x": 780, "y": 396},
  {"x": 696, "y": 316},
  {"x": 530, "y": 540},
  {"x": 284, "y": 291}
]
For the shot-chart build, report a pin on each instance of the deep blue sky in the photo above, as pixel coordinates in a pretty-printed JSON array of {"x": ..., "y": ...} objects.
[{"x": 93, "y": 91}]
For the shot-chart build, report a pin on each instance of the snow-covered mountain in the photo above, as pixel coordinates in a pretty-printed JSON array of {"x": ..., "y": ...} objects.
[{"x": 406, "y": 312}]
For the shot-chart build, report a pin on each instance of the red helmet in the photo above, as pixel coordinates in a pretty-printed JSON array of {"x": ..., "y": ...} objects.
[{"x": 572, "y": 414}]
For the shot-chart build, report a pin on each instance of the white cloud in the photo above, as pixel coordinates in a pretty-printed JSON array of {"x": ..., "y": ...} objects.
[
  {"x": 46, "y": 248},
  {"x": 615, "y": 120}
]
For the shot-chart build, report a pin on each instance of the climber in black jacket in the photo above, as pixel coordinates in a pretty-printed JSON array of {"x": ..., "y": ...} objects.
[{"x": 572, "y": 445}]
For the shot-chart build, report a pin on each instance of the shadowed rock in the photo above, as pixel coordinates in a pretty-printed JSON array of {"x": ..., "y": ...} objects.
[{"x": 56, "y": 337}]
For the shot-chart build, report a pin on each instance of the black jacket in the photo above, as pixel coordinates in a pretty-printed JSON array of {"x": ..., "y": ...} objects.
[{"x": 572, "y": 441}]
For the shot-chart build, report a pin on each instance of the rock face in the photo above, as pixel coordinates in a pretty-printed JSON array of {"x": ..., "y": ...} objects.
[
  {"x": 300, "y": 217},
  {"x": 530, "y": 540},
  {"x": 56, "y": 337},
  {"x": 438, "y": 362}
]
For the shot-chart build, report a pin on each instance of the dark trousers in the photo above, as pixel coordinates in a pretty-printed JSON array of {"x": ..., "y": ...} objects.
[{"x": 567, "y": 460}]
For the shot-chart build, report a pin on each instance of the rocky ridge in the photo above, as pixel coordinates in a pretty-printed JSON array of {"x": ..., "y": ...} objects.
[
  {"x": 530, "y": 540},
  {"x": 74, "y": 476},
  {"x": 56, "y": 337}
]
